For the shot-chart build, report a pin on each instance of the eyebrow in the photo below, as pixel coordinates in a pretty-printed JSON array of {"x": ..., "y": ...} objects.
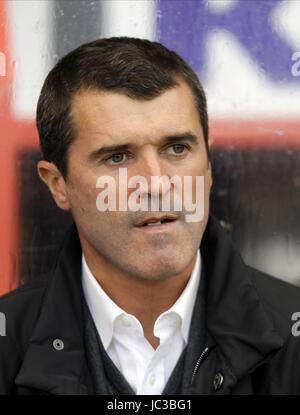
[{"x": 184, "y": 137}]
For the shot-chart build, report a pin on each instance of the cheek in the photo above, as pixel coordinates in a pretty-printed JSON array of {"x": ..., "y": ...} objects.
[
  {"x": 196, "y": 164},
  {"x": 198, "y": 169},
  {"x": 83, "y": 193}
]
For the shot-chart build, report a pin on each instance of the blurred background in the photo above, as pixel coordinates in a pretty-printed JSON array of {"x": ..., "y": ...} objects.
[{"x": 244, "y": 52}]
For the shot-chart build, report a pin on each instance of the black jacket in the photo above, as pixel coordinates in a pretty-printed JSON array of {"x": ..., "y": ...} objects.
[{"x": 249, "y": 345}]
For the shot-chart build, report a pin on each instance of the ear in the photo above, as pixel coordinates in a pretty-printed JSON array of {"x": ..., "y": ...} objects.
[
  {"x": 53, "y": 178},
  {"x": 210, "y": 179}
]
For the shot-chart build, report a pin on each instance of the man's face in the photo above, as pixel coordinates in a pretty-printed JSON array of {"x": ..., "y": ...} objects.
[{"x": 163, "y": 136}]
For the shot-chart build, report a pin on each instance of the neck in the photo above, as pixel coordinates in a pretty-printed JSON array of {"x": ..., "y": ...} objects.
[{"x": 145, "y": 299}]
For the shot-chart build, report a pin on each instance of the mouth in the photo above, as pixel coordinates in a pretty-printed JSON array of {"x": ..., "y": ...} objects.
[{"x": 157, "y": 222}]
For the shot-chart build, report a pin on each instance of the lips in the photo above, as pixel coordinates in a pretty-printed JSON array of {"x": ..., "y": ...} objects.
[{"x": 156, "y": 220}]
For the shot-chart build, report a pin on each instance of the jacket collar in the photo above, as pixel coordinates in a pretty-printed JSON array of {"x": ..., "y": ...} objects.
[
  {"x": 61, "y": 317},
  {"x": 236, "y": 319}
]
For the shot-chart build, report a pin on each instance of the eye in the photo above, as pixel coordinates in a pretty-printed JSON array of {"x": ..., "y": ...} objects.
[
  {"x": 116, "y": 158},
  {"x": 178, "y": 148}
]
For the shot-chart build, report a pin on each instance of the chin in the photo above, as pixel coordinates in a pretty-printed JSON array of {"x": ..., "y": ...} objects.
[{"x": 162, "y": 267}]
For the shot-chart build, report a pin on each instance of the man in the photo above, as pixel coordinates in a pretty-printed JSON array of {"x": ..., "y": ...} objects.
[{"x": 133, "y": 306}]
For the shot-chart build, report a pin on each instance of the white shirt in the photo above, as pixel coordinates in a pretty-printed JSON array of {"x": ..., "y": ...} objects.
[{"x": 146, "y": 370}]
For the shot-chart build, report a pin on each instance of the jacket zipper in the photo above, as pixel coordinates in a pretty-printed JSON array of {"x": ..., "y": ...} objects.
[{"x": 204, "y": 352}]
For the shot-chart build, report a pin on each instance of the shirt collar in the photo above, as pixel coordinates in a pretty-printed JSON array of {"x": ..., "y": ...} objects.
[
  {"x": 105, "y": 311},
  {"x": 184, "y": 305}
]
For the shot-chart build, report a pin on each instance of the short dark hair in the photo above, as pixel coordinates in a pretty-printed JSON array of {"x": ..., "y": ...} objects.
[{"x": 138, "y": 68}]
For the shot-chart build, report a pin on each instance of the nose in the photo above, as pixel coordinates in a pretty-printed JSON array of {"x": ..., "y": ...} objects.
[{"x": 151, "y": 167}]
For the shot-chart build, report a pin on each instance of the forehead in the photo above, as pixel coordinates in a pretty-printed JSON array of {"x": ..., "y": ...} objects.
[{"x": 119, "y": 117}]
